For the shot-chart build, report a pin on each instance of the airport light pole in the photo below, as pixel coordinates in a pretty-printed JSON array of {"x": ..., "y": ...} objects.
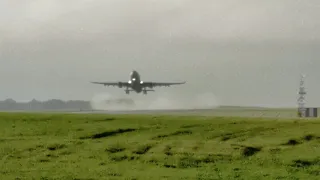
[{"x": 301, "y": 99}]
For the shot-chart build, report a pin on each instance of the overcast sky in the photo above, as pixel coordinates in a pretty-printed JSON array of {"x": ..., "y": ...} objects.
[{"x": 245, "y": 52}]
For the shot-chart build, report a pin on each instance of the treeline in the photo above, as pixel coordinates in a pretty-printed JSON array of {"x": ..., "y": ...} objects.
[{"x": 35, "y": 105}]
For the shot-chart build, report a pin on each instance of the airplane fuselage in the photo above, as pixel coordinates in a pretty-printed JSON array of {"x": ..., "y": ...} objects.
[{"x": 135, "y": 82}]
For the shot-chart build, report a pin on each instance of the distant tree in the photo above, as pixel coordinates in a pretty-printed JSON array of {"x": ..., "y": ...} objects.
[{"x": 53, "y": 104}]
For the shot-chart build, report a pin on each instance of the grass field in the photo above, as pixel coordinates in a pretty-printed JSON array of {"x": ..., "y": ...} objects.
[{"x": 84, "y": 146}]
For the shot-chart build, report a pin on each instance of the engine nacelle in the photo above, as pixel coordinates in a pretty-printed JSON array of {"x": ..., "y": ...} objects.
[
  {"x": 120, "y": 85},
  {"x": 150, "y": 85}
]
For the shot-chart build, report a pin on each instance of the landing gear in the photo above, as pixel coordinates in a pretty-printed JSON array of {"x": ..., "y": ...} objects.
[
  {"x": 144, "y": 91},
  {"x": 127, "y": 91}
]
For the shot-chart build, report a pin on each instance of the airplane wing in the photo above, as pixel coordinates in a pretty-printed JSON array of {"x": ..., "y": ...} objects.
[
  {"x": 159, "y": 84},
  {"x": 119, "y": 84}
]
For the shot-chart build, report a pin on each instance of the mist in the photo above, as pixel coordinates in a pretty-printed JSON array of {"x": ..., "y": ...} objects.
[
  {"x": 239, "y": 52},
  {"x": 162, "y": 101}
]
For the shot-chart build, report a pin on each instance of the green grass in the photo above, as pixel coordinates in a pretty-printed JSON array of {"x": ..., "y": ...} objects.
[{"x": 83, "y": 146}]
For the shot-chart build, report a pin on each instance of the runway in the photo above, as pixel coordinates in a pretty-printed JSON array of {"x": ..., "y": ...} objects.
[
  {"x": 162, "y": 111},
  {"x": 220, "y": 112},
  {"x": 223, "y": 112}
]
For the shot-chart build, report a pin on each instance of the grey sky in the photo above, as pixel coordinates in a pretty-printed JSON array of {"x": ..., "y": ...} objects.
[{"x": 245, "y": 52}]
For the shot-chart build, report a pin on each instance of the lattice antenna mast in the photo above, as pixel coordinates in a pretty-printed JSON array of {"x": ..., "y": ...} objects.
[{"x": 302, "y": 95}]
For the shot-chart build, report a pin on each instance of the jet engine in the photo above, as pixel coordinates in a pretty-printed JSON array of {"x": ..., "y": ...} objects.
[
  {"x": 150, "y": 85},
  {"x": 120, "y": 85}
]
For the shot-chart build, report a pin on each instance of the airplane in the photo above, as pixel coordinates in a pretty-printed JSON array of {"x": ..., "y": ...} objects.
[{"x": 136, "y": 85}]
